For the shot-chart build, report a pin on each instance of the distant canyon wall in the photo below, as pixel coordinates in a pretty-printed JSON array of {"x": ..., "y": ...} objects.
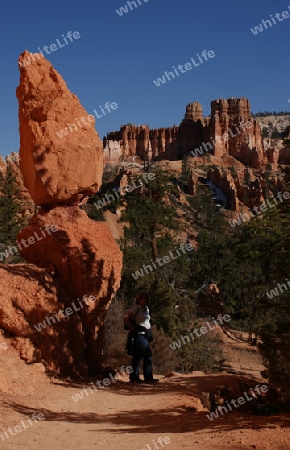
[{"x": 230, "y": 130}]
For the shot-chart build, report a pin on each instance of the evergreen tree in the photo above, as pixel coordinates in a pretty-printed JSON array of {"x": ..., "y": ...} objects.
[
  {"x": 150, "y": 234},
  {"x": 10, "y": 208},
  {"x": 150, "y": 214},
  {"x": 275, "y": 332}
]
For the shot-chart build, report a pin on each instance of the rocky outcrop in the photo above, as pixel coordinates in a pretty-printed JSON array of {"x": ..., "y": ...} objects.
[
  {"x": 230, "y": 130},
  {"x": 131, "y": 140},
  {"x": 241, "y": 187},
  {"x": 235, "y": 132},
  {"x": 163, "y": 144},
  {"x": 75, "y": 258},
  {"x": 192, "y": 183},
  {"x": 193, "y": 112},
  {"x": 2, "y": 165},
  {"x": 223, "y": 179},
  {"x": 29, "y": 295},
  {"x": 81, "y": 252},
  {"x": 113, "y": 153},
  {"x": 284, "y": 152},
  {"x": 84, "y": 259},
  {"x": 50, "y": 141}
]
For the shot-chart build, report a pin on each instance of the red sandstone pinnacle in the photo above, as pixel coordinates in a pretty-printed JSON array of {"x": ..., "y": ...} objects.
[
  {"x": 56, "y": 170},
  {"x": 236, "y": 132}
]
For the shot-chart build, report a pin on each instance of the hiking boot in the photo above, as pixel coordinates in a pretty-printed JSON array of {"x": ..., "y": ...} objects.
[
  {"x": 136, "y": 380},
  {"x": 152, "y": 381}
]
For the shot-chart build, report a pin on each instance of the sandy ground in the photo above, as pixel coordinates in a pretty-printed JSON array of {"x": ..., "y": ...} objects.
[
  {"x": 130, "y": 417},
  {"x": 133, "y": 417}
]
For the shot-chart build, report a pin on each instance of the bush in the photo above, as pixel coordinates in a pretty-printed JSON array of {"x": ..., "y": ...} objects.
[
  {"x": 202, "y": 354},
  {"x": 164, "y": 360}
]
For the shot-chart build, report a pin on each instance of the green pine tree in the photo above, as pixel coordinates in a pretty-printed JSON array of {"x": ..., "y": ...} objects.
[
  {"x": 10, "y": 208},
  {"x": 11, "y": 220}
]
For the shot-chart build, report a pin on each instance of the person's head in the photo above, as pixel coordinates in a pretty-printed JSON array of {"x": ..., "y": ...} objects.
[{"x": 142, "y": 299}]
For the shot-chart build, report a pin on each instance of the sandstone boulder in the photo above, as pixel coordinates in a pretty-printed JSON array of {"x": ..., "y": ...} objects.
[
  {"x": 61, "y": 155},
  {"x": 84, "y": 260},
  {"x": 27, "y": 296},
  {"x": 82, "y": 253}
]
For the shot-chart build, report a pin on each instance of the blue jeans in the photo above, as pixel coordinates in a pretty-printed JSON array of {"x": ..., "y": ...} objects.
[{"x": 142, "y": 351}]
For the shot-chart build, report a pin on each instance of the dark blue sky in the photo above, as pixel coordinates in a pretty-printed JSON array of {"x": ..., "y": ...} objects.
[{"x": 117, "y": 57}]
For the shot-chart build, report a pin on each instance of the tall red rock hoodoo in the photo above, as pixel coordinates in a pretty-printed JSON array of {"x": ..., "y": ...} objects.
[
  {"x": 53, "y": 136},
  {"x": 60, "y": 172},
  {"x": 235, "y": 131}
]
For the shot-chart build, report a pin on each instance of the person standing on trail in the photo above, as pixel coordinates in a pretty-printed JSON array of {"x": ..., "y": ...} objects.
[{"x": 137, "y": 320}]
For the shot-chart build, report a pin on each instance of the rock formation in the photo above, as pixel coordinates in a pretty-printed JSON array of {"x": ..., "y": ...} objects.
[
  {"x": 223, "y": 179},
  {"x": 49, "y": 141},
  {"x": 73, "y": 258},
  {"x": 2, "y": 165},
  {"x": 194, "y": 112},
  {"x": 235, "y": 132},
  {"x": 231, "y": 130},
  {"x": 192, "y": 183},
  {"x": 241, "y": 187},
  {"x": 28, "y": 295},
  {"x": 84, "y": 259}
]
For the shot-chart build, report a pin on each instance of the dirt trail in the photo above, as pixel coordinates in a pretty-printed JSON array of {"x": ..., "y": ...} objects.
[{"x": 133, "y": 417}]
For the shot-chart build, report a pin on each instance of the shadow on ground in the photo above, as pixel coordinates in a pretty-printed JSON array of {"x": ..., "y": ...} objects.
[{"x": 180, "y": 419}]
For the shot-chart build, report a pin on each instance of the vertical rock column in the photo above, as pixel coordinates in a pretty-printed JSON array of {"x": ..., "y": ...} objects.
[{"x": 61, "y": 159}]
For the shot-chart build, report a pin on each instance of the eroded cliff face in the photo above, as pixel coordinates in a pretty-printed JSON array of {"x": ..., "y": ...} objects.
[
  {"x": 238, "y": 192},
  {"x": 72, "y": 257},
  {"x": 230, "y": 130}
]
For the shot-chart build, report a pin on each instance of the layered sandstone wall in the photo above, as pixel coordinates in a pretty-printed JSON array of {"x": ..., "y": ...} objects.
[{"x": 231, "y": 130}]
